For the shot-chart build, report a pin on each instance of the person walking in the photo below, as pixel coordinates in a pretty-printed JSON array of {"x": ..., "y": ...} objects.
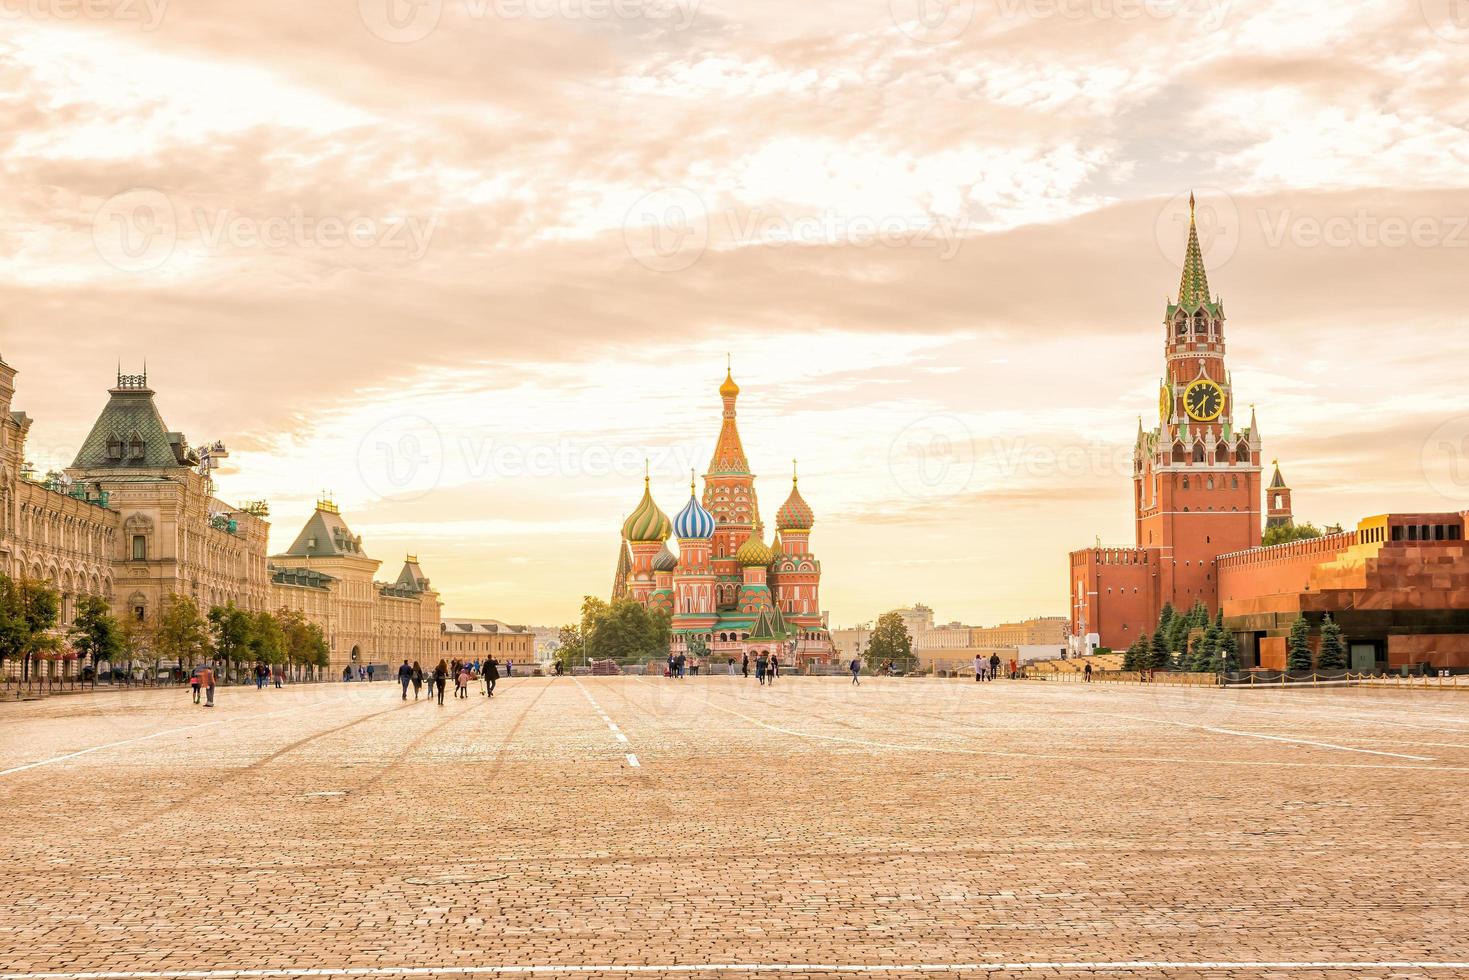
[
  {"x": 405, "y": 677},
  {"x": 994, "y": 665},
  {"x": 492, "y": 674},
  {"x": 745, "y": 664},
  {"x": 978, "y": 667},
  {"x": 774, "y": 670},
  {"x": 762, "y": 662},
  {"x": 206, "y": 680},
  {"x": 732, "y": 670},
  {"x": 1088, "y": 671},
  {"x": 461, "y": 682},
  {"x": 194, "y": 683},
  {"x": 279, "y": 676},
  {"x": 441, "y": 679},
  {"x": 416, "y": 675},
  {"x": 856, "y": 668},
  {"x": 369, "y": 673}
]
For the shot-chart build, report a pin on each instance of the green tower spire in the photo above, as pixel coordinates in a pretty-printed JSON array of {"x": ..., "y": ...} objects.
[{"x": 1193, "y": 287}]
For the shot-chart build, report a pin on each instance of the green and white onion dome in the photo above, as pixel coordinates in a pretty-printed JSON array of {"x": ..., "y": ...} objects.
[{"x": 647, "y": 522}]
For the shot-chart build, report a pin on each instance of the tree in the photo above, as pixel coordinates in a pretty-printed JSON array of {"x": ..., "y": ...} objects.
[
  {"x": 1132, "y": 659},
  {"x": 28, "y": 613},
  {"x": 230, "y": 627},
  {"x": 1298, "y": 645},
  {"x": 1333, "y": 648},
  {"x": 1286, "y": 533},
  {"x": 305, "y": 643},
  {"x": 889, "y": 641},
  {"x": 95, "y": 634},
  {"x": 1203, "y": 658},
  {"x": 267, "y": 642},
  {"x": 1160, "y": 655},
  {"x": 569, "y": 646},
  {"x": 181, "y": 634},
  {"x": 624, "y": 631}
]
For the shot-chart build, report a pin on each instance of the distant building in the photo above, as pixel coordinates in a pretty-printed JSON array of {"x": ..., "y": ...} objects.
[{"x": 480, "y": 639}]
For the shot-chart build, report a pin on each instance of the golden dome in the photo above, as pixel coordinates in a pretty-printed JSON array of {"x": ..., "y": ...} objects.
[
  {"x": 754, "y": 553},
  {"x": 729, "y": 389}
]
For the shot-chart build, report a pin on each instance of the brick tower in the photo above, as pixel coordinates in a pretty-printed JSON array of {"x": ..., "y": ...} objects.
[
  {"x": 1196, "y": 481},
  {"x": 1278, "y": 511}
]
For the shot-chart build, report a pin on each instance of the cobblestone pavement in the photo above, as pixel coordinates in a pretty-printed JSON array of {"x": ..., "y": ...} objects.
[{"x": 713, "y": 828}]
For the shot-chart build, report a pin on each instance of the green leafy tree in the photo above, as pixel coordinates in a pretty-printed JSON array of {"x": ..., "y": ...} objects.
[
  {"x": 230, "y": 627},
  {"x": 889, "y": 641},
  {"x": 1286, "y": 533},
  {"x": 624, "y": 631},
  {"x": 267, "y": 642},
  {"x": 28, "y": 613},
  {"x": 305, "y": 643},
  {"x": 1298, "y": 645},
  {"x": 181, "y": 634},
  {"x": 569, "y": 646},
  {"x": 95, "y": 633},
  {"x": 1333, "y": 648}
]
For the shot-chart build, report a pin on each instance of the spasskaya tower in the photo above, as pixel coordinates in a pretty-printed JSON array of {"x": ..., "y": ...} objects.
[{"x": 1196, "y": 481}]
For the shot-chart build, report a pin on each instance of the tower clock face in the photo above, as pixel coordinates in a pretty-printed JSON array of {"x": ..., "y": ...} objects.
[{"x": 1204, "y": 400}]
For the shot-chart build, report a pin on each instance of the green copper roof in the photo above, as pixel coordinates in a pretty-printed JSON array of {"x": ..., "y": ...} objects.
[
  {"x": 768, "y": 628},
  {"x": 130, "y": 434},
  {"x": 325, "y": 535},
  {"x": 1193, "y": 285},
  {"x": 647, "y": 522}
]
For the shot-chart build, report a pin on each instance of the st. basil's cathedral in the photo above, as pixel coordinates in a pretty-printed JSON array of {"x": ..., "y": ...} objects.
[{"x": 727, "y": 592}]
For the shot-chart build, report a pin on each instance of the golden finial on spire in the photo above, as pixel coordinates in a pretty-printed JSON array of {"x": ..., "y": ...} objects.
[
  {"x": 647, "y": 473},
  {"x": 795, "y": 475},
  {"x": 693, "y": 483}
]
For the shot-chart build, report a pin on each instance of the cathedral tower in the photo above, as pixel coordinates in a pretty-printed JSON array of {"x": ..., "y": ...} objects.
[
  {"x": 729, "y": 494},
  {"x": 1278, "y": 511}
]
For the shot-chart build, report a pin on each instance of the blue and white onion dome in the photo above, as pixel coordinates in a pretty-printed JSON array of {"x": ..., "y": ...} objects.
[
  {"x": 665, "y": 560},
  {"x": 693, "y": 523}
]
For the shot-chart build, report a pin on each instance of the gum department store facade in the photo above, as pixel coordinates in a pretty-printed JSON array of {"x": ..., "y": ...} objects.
[{"x": 134, "y": 521}]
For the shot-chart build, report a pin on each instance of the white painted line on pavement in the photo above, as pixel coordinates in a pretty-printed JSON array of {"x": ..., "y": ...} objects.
[
  {"x": 144, "y": 738},
  {"x": 1272, "y": 738},
  {"x": 632, "y": 760},
  {"x": 1084, "y": 966}
]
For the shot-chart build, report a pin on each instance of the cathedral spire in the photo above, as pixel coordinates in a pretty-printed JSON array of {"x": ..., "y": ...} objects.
[{"x": 1193, "y": 287}]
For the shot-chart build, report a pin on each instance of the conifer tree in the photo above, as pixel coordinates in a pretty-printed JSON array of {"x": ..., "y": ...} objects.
[
  {"x": 1228, "y": 651},
  {"x": 1298, "y": 645},
  {"x": 1161, "y": 652},
  {"x": 1130, "y": 658},
  {"x": 1333, "y": 647}
]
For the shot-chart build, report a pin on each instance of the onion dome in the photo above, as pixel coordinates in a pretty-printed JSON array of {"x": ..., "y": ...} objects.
[
  {"x": 693, "y": 523},
  {"x": 795, "y": 514},
  {"x": 647, "y": 522},
  {"x": 729, "y": 389},
  {"x": 665, "y": 560},
  {"x": 754, "y": 553}
]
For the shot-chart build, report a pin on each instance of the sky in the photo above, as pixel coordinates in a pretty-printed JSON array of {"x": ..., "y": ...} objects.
[{"x": 465, "y": 266}]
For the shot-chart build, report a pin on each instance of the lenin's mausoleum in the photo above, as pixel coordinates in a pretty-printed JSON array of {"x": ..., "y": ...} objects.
[{"x": 1398, "y": 585}]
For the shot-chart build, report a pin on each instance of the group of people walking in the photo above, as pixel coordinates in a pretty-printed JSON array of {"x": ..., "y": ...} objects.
[{"x": 463, "y": 672}]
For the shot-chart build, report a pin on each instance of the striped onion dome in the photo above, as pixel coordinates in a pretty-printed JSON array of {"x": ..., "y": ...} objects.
[
  {"x": 754, "y": 553},
  {"x": 665, "y": 560},
  {"x": 647, "y": 522},
  {"x": 795, "y": 514},
  {"x": 693, "y": 523}
]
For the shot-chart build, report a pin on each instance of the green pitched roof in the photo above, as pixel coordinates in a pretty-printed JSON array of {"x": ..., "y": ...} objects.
[
  {"x": 1193, "y": 285},
  {"x": 769, "y": 628},
  {"x": 130, "y": 434},
  {"x": 325, "y": 535}
]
